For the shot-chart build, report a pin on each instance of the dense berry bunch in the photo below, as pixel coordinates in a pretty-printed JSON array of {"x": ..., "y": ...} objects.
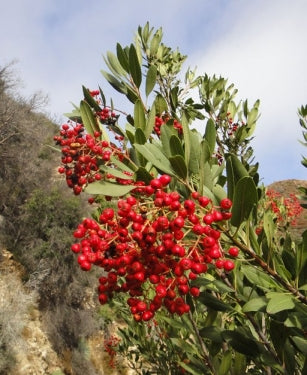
[
  {"x": 161, "y": 120},
  {"x": 82, "y": 154},
  {"x": 152, "y": 247},
  {"x": 286, "y": 209}
]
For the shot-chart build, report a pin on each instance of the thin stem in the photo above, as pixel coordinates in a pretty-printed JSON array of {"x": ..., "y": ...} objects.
[{"x": 203, "y": 347}]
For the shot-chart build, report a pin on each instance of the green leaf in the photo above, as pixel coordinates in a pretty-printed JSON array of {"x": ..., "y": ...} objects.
[
  {"x": 212, "y": 333},
  {"x": 139, "y": 115},
  {"x": 115, "y": 83},
  {"x": 221, "y": 287},
  {"x": 204, "y": 158},
  {"x": 210, "y": 135},
  {"x": 219, "y": 193},
  {"x": 114, "y": 65},
  {"x": 239, "y": 364},
  {"x": 130, "y": 136},
  {"x": 252, "y": 116},
  {"x": 279, "y": 302},
  {"x": 121, "y": 165},
  {"x": 225, "y": 363},
  {"x": 244, "y": 200},
  {"x": 74, "y": 115},
  {"x": 88, "y": 118},
  {"x": 150, "y": 79},
  {"x": 258, "y": 278},
  {"x": 166, "y": 132},
  {"x": 195, "y": 152},
  {"x": 150, "y": 123},
  {"x": 103, "y": 99},
  {"x": 184, "y": 345},
  {"x": 176, "y": 146},
  {"x": 214, "y": 303},
  {"x": 139, "y": 136},
  {"x": 186, "y": 137},
  {"x": 108, "y": 188},
  {"x": 189, "y": 368},
  {"x": 235, "y": 171},
  {"x": 300, "y": 343},
  {"x": 154, "y": 155},
  {"x": 143, "y": 175},
  {"x": 122, "y": 57},
  {"x": 207, "y": 179},
  {"x": 155, "y": 42},
  {"x": 160, "y": 104},
  {"x": 255, "y": 304},
  {"x": 90, "y": 100},
  {"x": 241, "y": 342},
  {"x": 134, "y": 66},
  {"x": 131, "y": 95},
  {"x": 179, "y": 166},
  {"x": 114, "y": 172},
  {"x": 232, "y": 109}
]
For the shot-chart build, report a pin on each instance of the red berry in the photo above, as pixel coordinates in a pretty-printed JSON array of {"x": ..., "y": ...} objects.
[
  {"x": 228, "y": 265},
  {"x": 203, "y": 201},
  {"x": 233, "y": 251},
  {"x": 226, "y": 204},
  {"x": 147, "y": 315},
  {"x": 195, "y": 195},
  {"x": 76, "y": 247},
  {"x": 161, "y": 290},
  {"x": 194, "y": 291},
  {"x": 103, "y": 298},
  {"x": 156, "y": 183},
  {"x": 165, "y": 179},
  {"x": 219, "y": 263}
]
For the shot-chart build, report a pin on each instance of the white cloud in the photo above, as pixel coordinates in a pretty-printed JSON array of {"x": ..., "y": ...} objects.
[
  {"x": 263, "y": 54},
  {"x": 258, "y": 45}
]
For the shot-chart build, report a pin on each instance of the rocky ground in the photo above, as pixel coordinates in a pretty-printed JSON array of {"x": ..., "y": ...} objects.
[{"x": 34, "y": 356}]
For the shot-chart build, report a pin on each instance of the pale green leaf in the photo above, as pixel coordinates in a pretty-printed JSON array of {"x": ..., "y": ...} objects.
[
  {"x": 88, "y": 118},
  {"x": 108, "y": 188},
  {"x": 115, "y": 83},
  {"x": 139, "y": 115},
  {"x": 150, "y": 123},
  {"x": 279, "y": 302},
  {"x": 176, "y": 146},
  {"x": 154, "y": 155},
  {"x": 255, "y": 304},
  {"x": 151, "y": 78}
]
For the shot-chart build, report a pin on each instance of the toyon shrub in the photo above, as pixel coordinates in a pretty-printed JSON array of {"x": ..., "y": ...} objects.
[{"x": 195, "y": 255}]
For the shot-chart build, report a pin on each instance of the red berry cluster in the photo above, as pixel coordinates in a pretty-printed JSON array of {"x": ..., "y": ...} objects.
[
  {"x": 152, "y": 247},
  {"x": 286, "y": 209},
  {"x": 82, "y": 154},
  {"x": 107, "y": 116},
  {"x": 161, "y": 120},
  {"x": 110, "y": 345}
]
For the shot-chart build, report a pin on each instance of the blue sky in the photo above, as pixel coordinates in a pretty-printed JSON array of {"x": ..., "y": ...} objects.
[{"x": 258, "y": 45}]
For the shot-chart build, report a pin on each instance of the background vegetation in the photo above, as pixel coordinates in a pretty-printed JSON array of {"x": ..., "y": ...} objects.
[{"x": 37, "y": 218}]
